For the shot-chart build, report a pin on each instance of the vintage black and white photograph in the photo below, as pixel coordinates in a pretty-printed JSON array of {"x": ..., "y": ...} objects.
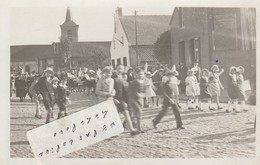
[{"x": 132, "y": 81}]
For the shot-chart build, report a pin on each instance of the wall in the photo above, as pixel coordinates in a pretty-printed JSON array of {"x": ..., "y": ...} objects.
[
  {"x": 119, "y": 51},
  {"x": 195, "y": 26},
  {"x": 226, "y": 59}
]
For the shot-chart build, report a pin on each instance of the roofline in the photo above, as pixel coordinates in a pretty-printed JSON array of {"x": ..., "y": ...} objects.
[
  {"x": 124, "y": 29},
  {"x": 175, "y": 9}
]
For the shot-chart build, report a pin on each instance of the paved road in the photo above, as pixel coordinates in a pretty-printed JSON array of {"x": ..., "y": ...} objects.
[{"x": 207, "y": 135}]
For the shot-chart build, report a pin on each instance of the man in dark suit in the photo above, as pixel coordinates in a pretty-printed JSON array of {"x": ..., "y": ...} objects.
[{"x": 45, "y": 90}]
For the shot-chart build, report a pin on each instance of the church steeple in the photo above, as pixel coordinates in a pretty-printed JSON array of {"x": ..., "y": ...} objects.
[
  {"x": 69, "y": 29},
  {"x": 68, "y": 17}
]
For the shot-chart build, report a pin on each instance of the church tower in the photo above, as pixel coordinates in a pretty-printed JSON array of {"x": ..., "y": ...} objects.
[{"x": 69, "y": 29}]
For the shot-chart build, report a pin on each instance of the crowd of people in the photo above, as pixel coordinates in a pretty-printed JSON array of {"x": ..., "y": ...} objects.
[{"x": 133, "y": 89}]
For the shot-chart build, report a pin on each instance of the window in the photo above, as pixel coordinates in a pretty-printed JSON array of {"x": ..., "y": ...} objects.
[
  {"x": 125, "y": 61},
  {"x": 69, "y": 34},
  {"x": 113, "y": 63},
  {"x": 195, "y": 50},
  {"x": 118, "y": 61},
  {"x": 181, "y": 24}
]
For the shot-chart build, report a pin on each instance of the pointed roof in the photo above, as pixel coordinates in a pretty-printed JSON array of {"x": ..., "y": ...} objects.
[
  {"x": 68, "y": 20},
  {"x": 149, "y": 28}
]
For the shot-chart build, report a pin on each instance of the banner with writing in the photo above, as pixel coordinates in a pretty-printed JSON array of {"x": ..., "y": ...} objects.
[{"x": 76, "y": 131}]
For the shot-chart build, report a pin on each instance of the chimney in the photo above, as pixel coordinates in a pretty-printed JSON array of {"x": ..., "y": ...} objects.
[{"x": 119, "y": 11}]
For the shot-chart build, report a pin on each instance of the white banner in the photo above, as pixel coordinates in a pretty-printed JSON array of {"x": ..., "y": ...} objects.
[{"x": 76, "y": 131}]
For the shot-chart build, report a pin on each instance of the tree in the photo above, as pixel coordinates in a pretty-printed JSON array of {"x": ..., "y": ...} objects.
[
  {"x": 65, "y": 51},
  {"x": 162, "y": 50}
]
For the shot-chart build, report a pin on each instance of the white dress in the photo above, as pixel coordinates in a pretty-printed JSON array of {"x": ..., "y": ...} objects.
[
  {"x": 191, "y": 86},
  {"x": 175, "y": 81},
  {"x": 149, "y": 92}
]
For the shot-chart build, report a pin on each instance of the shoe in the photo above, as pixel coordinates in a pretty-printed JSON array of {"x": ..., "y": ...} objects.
[
  {"x": 66, "y": 114},
  {"x": 124, "y": 124},
  {"x": 220, "y": 108},
  {"x": 227, "y": 111},
  {"x": 59, "y": 116},
  {"x": 141, "y": 131},
  {"x": 190, "y": 108},
  {"x": 154, "y": 124},
  {"x": 200, "y": 109},
  {"x": 212, "y": 109},
  {"x": 181, "y": 127},
  {"x": 134, "y": 133},
  {"x": 146, "y": 106},
  {"x": 179, "y": 105}
]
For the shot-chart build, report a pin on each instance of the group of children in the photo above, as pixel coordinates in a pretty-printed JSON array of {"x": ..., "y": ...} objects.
[
  {"x": 50, "y": 90},
  {"x": 131, "y": 91},
  {"x": 129, "y": 95}
]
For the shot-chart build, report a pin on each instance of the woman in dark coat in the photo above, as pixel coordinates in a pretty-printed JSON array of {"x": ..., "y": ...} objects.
[{"x": 20, "y": 85}]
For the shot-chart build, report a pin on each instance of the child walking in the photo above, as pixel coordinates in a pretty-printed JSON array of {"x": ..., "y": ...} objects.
[
  {"x": 36, "y": 99},
  {"x": 232, "y": 88},
  {"x": 136, "y": 92},
  {"x": 240, "y": 84},
  {"x": 204, "y": 93},
  {"x": 191, "y": 89},
  {"x": 149, "y": 92},
  {"x": 120, "y": 86},
  {"x": 62, "y": 97},
  {"x": 215, "y": 85},
  {"x": 105, "y": 86}
]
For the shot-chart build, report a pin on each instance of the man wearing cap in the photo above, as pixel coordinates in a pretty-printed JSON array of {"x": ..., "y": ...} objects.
[{"x": 45, "y": 90}]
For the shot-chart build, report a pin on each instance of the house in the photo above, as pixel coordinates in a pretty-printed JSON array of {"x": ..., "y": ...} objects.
[
  {"x": 222, "y": 36},
  {"x": 38, "y": 57},
  {"x": 134, "y": 37},
  {"x": 26, "y": 56}
]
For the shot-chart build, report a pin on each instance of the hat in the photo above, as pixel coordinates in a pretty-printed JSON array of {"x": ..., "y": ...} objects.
[
  {"x": 48, "y": 69},
  {"x": 174, "y": 73},
  {"x": 107, "y": 69},
  {"x": 148, "y": 73},
  {"x": 232, "y": 68},
  {"x": 55, "y": 79},
  {"x": 190, "y": 70},
  {"x": 241, "y": 69},
  {"x": 215, "y": 67},
  {"x": 205, "y": 70}
]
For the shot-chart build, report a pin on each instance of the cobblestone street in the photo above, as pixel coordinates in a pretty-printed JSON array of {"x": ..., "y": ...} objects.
[{"x": 208, "y": 134}]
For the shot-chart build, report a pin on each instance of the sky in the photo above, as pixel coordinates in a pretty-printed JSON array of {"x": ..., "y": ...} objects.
[{"x": 40, "y": 24}]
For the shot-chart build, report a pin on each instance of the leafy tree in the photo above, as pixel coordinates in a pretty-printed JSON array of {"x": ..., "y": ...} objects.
[
  {"x": 162, "y": 49},
  {"x": 65, "y": 51}
]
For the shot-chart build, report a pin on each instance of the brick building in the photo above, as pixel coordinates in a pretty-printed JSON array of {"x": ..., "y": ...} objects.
[{"x": 222, "y": 36}]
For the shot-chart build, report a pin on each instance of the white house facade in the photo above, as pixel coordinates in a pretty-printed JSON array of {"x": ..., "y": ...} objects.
[{"x": 120, "y": 45}]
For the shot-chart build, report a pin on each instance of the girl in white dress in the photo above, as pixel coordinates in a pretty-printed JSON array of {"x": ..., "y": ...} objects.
[
  {"x": 191, "y": 89},
  {"x": 149, "y": 92}
]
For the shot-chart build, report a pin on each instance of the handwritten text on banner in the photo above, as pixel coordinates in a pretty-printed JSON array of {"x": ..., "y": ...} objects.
[{"x": 76, "y": 131}]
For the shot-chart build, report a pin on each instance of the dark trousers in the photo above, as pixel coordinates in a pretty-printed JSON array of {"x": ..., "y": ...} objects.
[{"x": 176, "y": 113}]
